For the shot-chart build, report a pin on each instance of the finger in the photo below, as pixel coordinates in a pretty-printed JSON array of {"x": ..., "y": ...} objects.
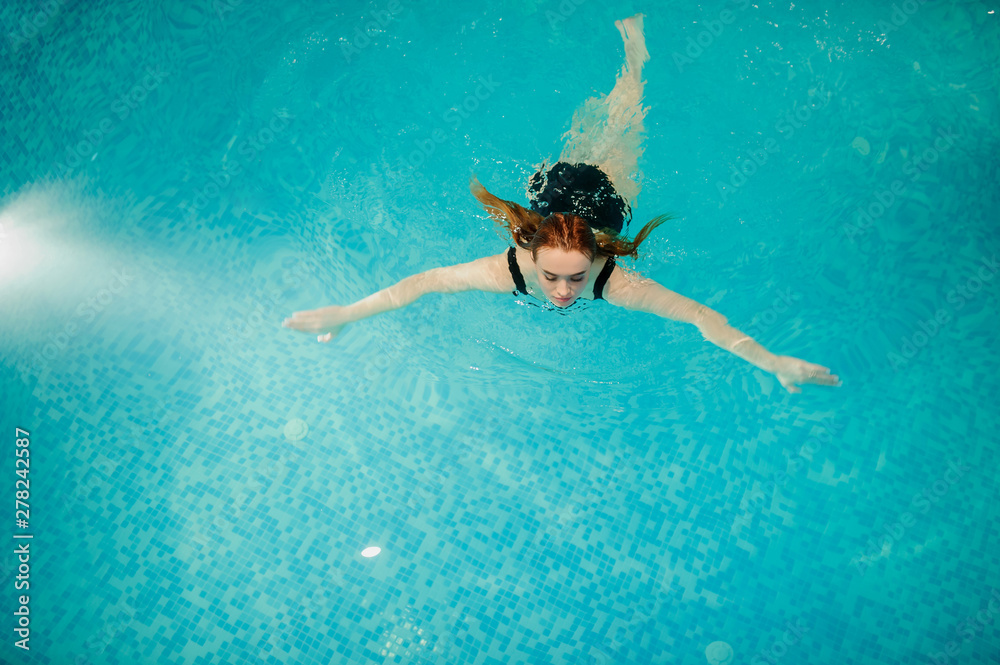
[{"x": 832, "y": 380}]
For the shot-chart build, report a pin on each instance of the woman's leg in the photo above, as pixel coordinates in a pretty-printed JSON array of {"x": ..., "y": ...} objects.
[{"x": 607, "y": 131}]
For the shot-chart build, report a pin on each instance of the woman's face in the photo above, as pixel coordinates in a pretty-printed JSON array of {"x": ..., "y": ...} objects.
[{"x": 563, "y": 275}]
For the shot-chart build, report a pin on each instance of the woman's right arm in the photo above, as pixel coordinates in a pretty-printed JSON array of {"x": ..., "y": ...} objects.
[{"x": 483, "y": 274}]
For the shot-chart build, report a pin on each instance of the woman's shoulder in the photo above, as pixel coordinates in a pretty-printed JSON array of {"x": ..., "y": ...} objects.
[
  {"x": 625, "y": 283},
  {"x": 483, "y": 274},
  {"x": 498, "y": 268}
]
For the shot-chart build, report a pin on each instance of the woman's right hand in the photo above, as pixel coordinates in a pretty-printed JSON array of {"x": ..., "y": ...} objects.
[
  {"x": 791, "y": 371},
  {"x": 327, "y": 321}
]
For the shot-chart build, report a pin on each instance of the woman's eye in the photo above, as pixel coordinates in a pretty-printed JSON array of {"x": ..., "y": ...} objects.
[{"x": 578, "y": 279}]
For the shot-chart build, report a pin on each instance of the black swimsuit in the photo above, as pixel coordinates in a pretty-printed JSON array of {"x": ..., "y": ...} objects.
[{"x": 515, "y": 272}]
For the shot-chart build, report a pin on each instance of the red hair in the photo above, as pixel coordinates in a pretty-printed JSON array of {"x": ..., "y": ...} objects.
[{"x": 531, "y": 231}]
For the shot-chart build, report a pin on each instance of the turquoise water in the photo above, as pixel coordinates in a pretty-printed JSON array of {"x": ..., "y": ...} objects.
[{"x": 602, "y": 488}]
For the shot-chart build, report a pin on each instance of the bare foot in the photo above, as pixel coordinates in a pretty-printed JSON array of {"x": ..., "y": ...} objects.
[{"x": 635, "y": 43}]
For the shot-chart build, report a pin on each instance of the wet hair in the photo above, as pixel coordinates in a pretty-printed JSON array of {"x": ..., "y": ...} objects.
[{"x": 564, "y": 231}]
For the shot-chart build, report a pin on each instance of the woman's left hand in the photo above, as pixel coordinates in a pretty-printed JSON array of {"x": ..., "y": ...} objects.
[{"x": 791, "y": 371}]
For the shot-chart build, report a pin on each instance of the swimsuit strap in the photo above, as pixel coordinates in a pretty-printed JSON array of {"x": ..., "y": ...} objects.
[
  {"x": 515, "y": 272},
  {"x": 603, "y": 278}
]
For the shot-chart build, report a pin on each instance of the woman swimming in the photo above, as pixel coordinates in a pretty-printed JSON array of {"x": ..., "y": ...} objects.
[{"x": 566, "y": 243}]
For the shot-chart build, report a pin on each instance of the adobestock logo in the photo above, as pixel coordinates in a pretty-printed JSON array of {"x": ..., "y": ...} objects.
[
  {"x": 967, "y": 630},
  {"x": 31, "y": 25},
  {"x": 566, "y": 9},
  {"x": 756, "y": 499},
  {"x": 884, "y": 199},
  {"x": 424, "y": 148},
  {"x": 714, "y": 28},
  {"x": 921, "y": 502},
  {"x": 86, "y": 313},
  {"x": 912, "y": 344},
  {"x": 754, "y": 159},
  {"x": 363, "y": 33},
  {"x": 216, "y": 524},
  {"x": 248, "y": 148},
  {"x": 779, "y": 648},
  {"x": 222, "y": 7},
  {"x": 122, "y": 106},
  {"x": 901, "y": 13}
]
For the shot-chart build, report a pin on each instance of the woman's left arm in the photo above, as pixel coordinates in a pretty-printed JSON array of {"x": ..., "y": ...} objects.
[{"x": 646, "y": 295}]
